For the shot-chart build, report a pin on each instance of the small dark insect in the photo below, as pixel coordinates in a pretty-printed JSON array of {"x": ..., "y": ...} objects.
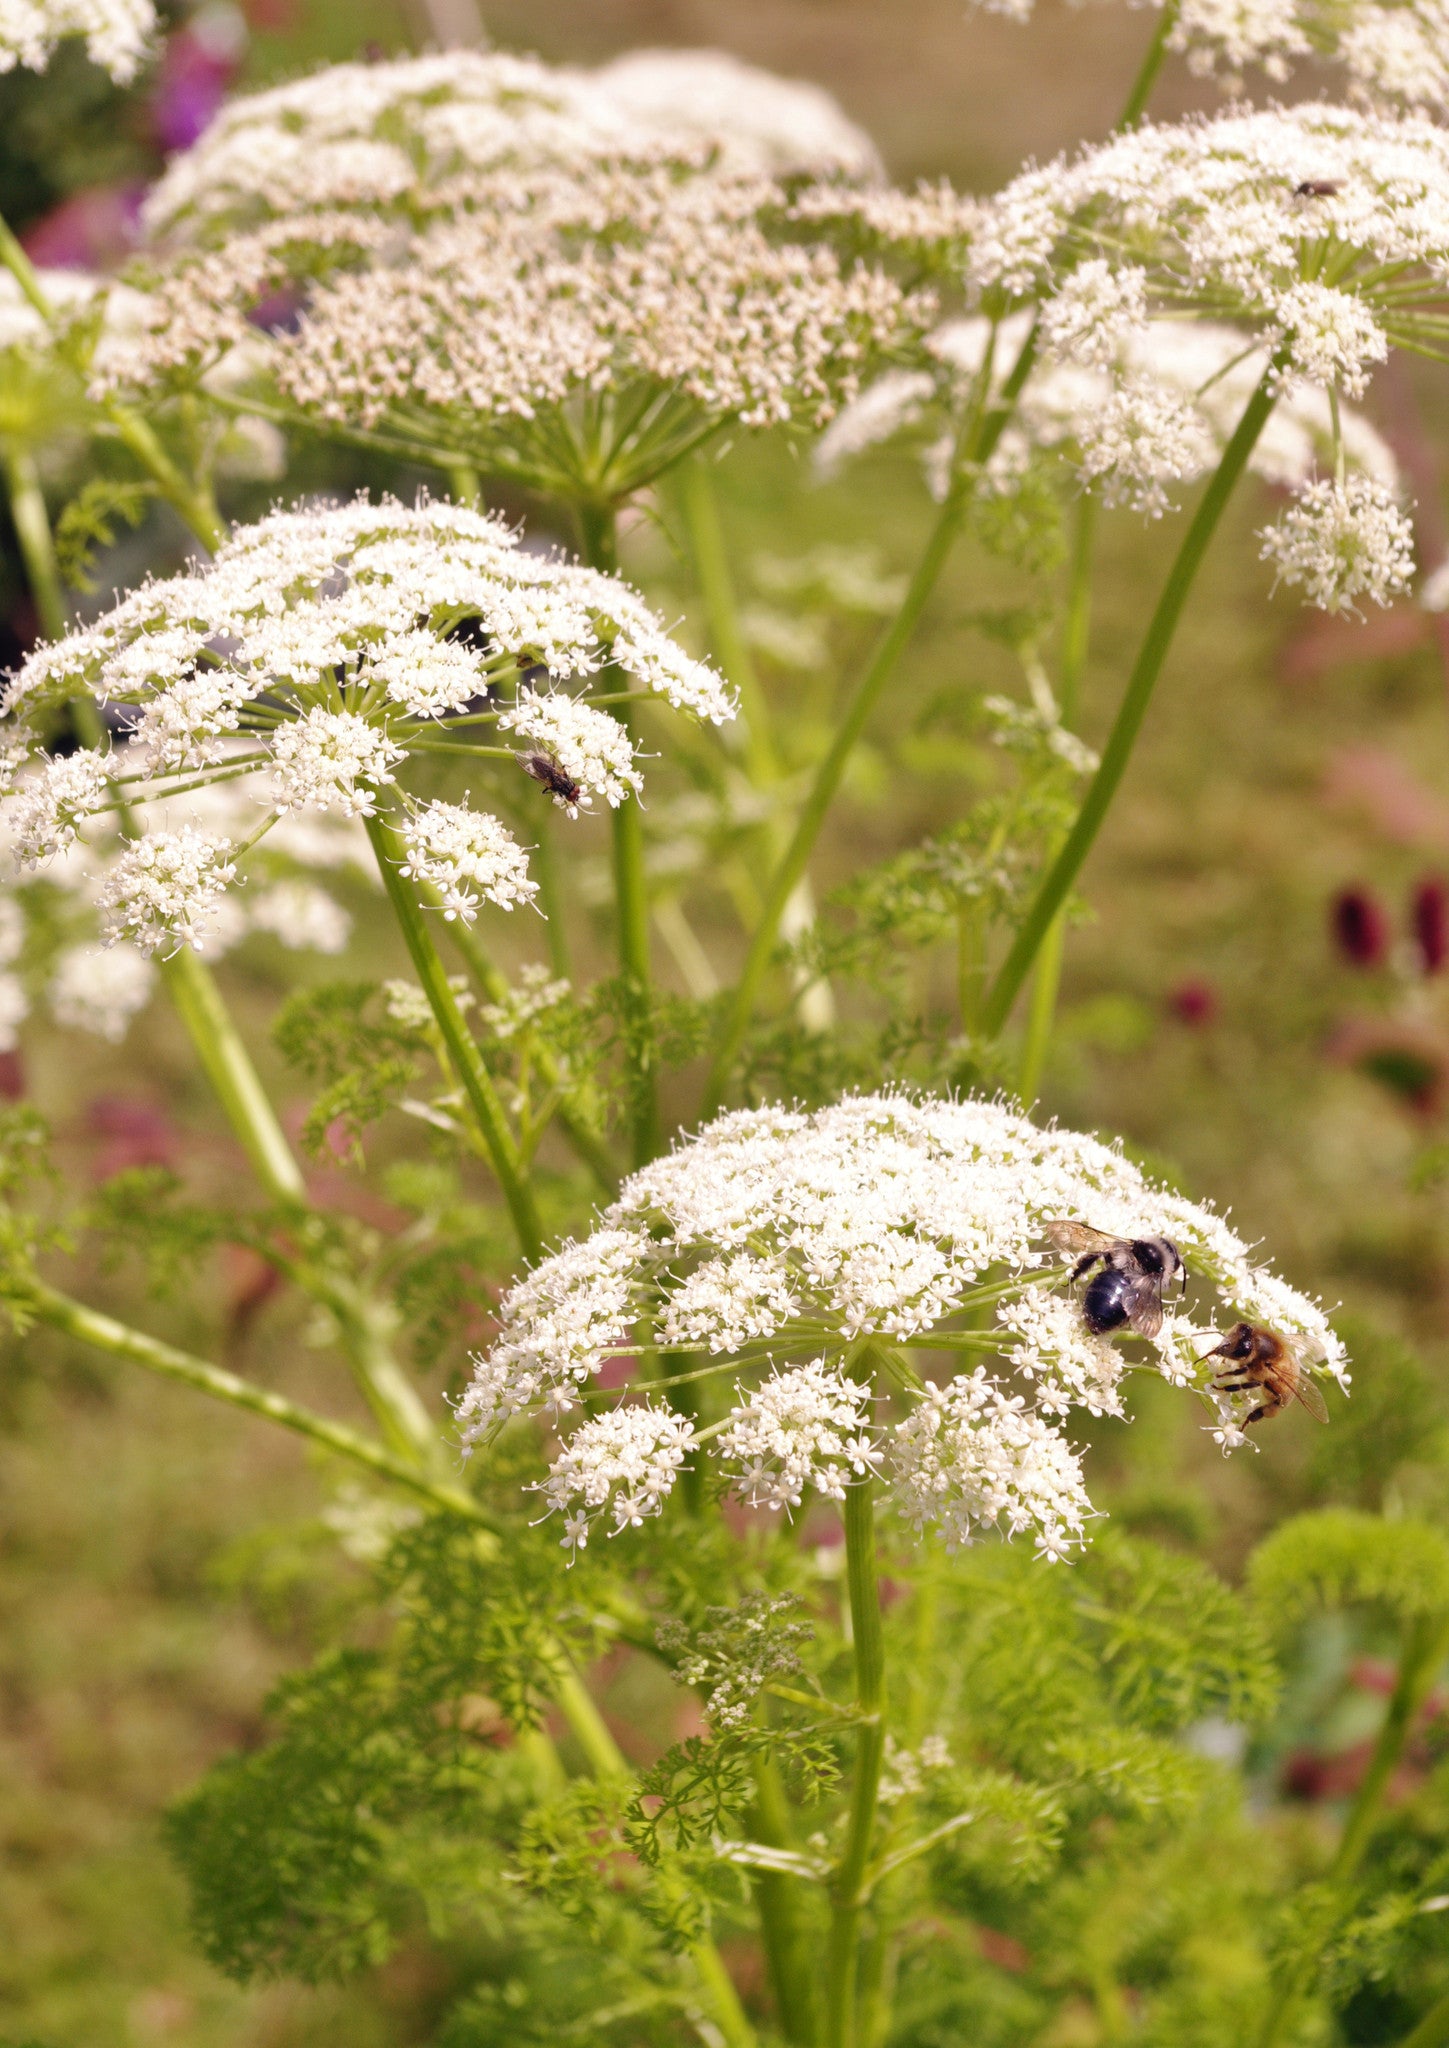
[
  {"x": 1254, "y": 1356},
  {"x": 1317, "y": 188},
  {"x": 1131, "y": 1274},
  {"x": 546, "y": 771}
]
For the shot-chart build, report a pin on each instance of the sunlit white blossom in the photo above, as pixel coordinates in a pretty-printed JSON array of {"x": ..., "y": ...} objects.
[
  {"x": 1340, "y": 542},
  {"x": 592, "y": 748},
  {"x": 626, "y": 1461},
  {"x": 331, "y": 760},
  {"x": 116, "y": 32},
  {"x": 281, "y": 690},
  {"x": 1332, "y": 336},
  {"x": 411, "y": 132},
  {"x": 469, "y": 857},
  {"x": 825, "y": 1245},
  {"x": 165, "y": 889},
  {"x": 1394, "y": 53},
  {"x": 808, "y": 1426},
  {"x": 1193, "y": 378},
  {"x": 970, "y": 1456}
]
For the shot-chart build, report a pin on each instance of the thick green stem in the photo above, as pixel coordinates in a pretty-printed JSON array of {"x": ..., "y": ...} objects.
[
  {"x": 229, "y": 1069},
  {"x": 777, "y": 1900},
  {"x": 598, "y": 532},
  {"x": 1426, "y": 1644},
  {"x": 32, "y": 530},
  {"x": 847, "y": 1898},
  {"x": 477, "y": 1083},
  {"x": 892, "y": 645},
  {"x": 104, "y": 1333},
  {"x": 1041, "y": 1014},
  {"x": 1142, "y": 84},
  {"x": 1057, "y": 885},
  {"x": 1077, "y": 618}
]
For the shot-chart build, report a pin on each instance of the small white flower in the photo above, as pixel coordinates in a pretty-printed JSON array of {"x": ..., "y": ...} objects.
[
  {"x": 1100, "y": 309},
  {"x": 970, "y": 1456},
  {"x": 807, "y": 1426},
  {"x": 116, "y": 32},
  {"x": 626, "y": 1461},
  {"x": 1340, "y": 542},
  {"x": 1333, "y": 336},
  {"x": 101, "y": 988},
  {"x": 426, "y": 675},
  {"x": 331, "y": 761},
  {"x": 165, "y": 889},
  {"x": 592, "y": 748},
  {"x": 52, "y": 802},
  {"x": 469, "y": 857}
]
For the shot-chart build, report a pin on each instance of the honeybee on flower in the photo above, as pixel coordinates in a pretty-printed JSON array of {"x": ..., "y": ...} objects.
[{"x": 831, "y": 1253}]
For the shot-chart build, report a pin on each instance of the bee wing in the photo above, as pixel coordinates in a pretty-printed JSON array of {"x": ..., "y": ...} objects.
[
  {"x": 1076, "y": 1238},
  {"x": 1308, "y": 1392},
  {"x": 1143, "y": 1303}
]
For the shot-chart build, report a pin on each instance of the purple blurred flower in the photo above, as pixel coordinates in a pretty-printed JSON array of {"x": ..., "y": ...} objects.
[
  {"x": 1360, "y": 928},
  {"x": 1194, "y": 1002},
  {"x": 1429, "y": 913},
  {"x": 197, "y": 68}
]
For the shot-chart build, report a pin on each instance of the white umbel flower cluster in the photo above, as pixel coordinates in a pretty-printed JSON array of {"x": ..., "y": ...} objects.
[
  {"x": 302, "y": 667},
  {"x": 576, "y": 332},
  {"x": 469, "y": 857},
  {"x": 165, "y": 890},
  {"x": 591, "y": 747},
  {"x": 1231, "y": 217},
  {"x": 102, "y": 989},
  {"x": 408, "y": 135},
  {"x": 626, "y": 1461},
  {"x": 808, "y": 1426},
  {"x": 840, "y": 1249},
  {"x": 116, "y": 32},
  {"x": 972, "y": 1456},
  {"x": 1342, "y": 541}
]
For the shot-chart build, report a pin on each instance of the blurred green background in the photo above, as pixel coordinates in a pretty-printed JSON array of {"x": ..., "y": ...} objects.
[{"x": 1208, "y": 1017}]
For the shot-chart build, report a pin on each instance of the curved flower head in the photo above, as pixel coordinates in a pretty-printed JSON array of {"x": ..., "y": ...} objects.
[
  {"x": 290, "y": 683},
  {"x": 1322, "y": 230},
  {"x": 406, "y": 136},
  {"x": 116, "y": 32},
  {"x": 576, "y": 332},
  {"x": 835, "y": 1266}
]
